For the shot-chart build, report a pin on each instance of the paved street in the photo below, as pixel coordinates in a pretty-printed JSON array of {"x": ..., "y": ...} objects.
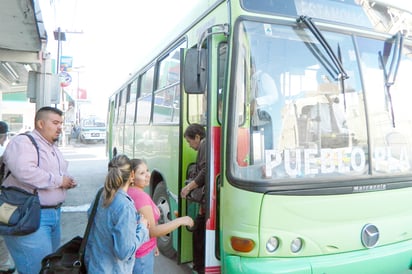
[{"x": 88, "y": 164}]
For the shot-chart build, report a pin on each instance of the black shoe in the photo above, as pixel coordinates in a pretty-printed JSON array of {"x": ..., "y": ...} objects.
[{"x": 199, "y": 270}]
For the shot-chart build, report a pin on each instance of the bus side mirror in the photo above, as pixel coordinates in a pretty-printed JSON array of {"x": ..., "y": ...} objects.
[{"x": 194, "y": 71}]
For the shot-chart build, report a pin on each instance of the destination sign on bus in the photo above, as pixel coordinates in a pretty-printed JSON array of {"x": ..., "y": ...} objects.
[
  {"x": 343, "y": 11},
  {"x": 308, "y": 162}
]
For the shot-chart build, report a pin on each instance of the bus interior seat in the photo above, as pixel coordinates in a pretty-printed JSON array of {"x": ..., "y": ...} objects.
[{"x": 305, "y": 125}]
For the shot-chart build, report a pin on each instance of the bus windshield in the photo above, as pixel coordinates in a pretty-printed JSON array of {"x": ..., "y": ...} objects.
[{"x": 296, "y": 118}]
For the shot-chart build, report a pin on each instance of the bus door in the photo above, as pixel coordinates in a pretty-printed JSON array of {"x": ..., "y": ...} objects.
[
  {"x": 192, "y": 111},
  {"x": 205, "y": 96},
  {"x": 216, "y": 92}
]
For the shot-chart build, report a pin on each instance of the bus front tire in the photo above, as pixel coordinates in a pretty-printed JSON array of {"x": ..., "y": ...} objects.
[{"x": 160, "y": 198}]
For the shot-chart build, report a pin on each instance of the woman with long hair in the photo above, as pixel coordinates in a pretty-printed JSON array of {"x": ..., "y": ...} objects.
[
  {"x": 144, "y": 263},
  {"x": 118, "y": 230}
]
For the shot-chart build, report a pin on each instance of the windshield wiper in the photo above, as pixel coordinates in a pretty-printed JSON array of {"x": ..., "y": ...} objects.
[
  {"x": 390, "y": 75},
  {"x": 340, "y": 72}
]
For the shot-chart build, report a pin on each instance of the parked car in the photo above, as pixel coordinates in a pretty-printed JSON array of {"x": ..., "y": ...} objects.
[{"x": 92, "y": 130}]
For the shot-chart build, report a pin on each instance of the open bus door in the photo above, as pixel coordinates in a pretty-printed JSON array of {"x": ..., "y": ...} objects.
[
  {"x": 204, "y": 75},
  {"x": 192, "y": 83},
  {"x": 194, "y": 109}
]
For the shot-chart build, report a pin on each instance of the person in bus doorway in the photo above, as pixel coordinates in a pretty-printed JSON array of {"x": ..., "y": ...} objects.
[
  {"x": 144, "y": 204},
  {"x": 195, "y": 135},
  {"x": 118, "y": 230},
  {"x": 6, "y": 264}
]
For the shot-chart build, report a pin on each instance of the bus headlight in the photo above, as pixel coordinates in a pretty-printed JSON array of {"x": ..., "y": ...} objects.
[
  {"x": 272, "y": 244},
  {"x": 296, "y": 245}
]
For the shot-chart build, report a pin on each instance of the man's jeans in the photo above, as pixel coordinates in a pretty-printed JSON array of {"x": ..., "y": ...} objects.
[{"x": 28, "y": 250}]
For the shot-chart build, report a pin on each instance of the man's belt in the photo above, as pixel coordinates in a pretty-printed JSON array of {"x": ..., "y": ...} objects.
[{"x": 51, "y": 206}]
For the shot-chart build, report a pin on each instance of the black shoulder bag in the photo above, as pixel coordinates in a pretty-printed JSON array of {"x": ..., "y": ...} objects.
[
  {"x": 19, "y": 209},
  {"x": 69, "y": 258}
]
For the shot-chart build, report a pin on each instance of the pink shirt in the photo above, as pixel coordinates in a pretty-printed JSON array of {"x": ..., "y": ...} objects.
[
  {"x": 142, "y": 199},
  {"x": 20, "y": 157}
]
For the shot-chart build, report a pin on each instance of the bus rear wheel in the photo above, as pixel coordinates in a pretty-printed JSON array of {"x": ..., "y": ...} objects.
[{"x": 160, "y": 198}]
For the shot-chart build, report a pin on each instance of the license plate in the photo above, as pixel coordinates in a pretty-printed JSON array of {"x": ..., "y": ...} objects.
[{"x": 95, "y": 134}]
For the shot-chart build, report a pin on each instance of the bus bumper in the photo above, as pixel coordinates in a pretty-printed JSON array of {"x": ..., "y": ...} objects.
[{"x": 396, "y": 258}]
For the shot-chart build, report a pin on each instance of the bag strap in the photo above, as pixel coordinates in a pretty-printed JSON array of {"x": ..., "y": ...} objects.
[
  {"x": 3, "y": 165},
  {"x": 89, "y": 225},
  {"x": 34, "y": 144}
]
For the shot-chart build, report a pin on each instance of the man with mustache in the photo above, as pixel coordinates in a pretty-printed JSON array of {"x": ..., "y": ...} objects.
[{"x": 46, "y": 172}]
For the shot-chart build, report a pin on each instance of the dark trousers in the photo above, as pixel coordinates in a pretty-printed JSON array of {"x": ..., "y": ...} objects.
[{"x": 199, "y": 244}]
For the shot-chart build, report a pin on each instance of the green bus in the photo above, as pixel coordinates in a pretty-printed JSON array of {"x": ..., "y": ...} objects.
[{"x": 309, "y": 133}]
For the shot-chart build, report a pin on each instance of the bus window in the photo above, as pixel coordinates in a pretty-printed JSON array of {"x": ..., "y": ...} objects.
[
  {"x": 166, "y": 105},
  {"x": 169, "y": 69},
  {"x": 240, "y": 87},
  {"x": 391, "y": 133},
  {"x": 122, "y": 106},
  {"x": 197, "y": 108},
  {"x": 306, "y": 122},
  {"x": 301, "y": 123},
  {"x": 131, "y": 103},
  {"x": 222, "y": 63},
  {"x": 116, "y": 108},
  {"x": 144, "y": 102},
  {"x": 197, "y": 105}
]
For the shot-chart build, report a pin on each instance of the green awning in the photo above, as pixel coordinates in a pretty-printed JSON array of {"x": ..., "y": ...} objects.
[{"x": 15, "y": 96}]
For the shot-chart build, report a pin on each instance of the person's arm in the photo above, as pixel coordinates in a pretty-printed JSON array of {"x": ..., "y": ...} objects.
[
  {"x": 157, "y": 230},
  {"x": 187, "y": 188},
  {"x": 200, "y": 177},
  {"x": 125, "y": 242},
  {"x": 142, "y": 232}
]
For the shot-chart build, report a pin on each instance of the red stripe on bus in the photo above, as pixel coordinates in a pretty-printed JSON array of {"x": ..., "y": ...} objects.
[
  {"x": 212, "y": 269},
  {"x": 216, "y": 132}
]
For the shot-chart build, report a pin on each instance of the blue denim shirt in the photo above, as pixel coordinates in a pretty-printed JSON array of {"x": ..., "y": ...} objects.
[{"x": 115, "y": 236}]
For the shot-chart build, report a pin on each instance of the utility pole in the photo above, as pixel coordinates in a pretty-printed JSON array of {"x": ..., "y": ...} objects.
[
  {"x": 65, "y": 80},
  {"x": 60, "y": 36}
]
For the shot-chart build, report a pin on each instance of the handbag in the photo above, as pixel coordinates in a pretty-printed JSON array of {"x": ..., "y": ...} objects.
[
  {"x": 196, "y": 195},
  {"x": 19, "y": 211},
  {"x": 69, "y": 258}
]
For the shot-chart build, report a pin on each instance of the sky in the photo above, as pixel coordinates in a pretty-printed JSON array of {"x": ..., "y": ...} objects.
[{"x": 108, "y": 39}]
